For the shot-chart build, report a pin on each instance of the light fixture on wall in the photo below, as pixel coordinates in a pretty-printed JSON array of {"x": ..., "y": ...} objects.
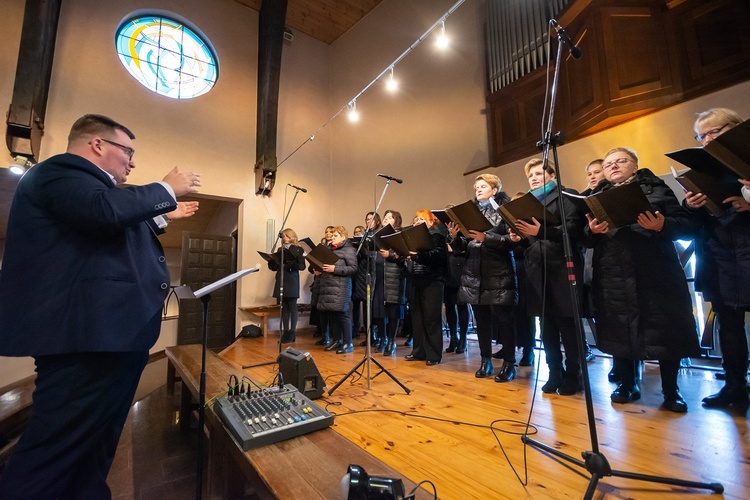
[
  {"x": 353, "y": 114},
  {"x": 442, "y": 39},
  {"x": 20, "y": 165},
  {"x": 391, "y": 84}
]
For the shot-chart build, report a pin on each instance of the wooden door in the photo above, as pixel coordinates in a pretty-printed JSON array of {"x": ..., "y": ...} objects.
[{"x": 205, "y": 259}]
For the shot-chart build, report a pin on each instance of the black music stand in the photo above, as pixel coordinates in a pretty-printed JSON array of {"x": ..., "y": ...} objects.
[
  {"x": 593, "y": 461},
  {"x": 204, "y": 294},
  {"x": 368, "y": 309}
]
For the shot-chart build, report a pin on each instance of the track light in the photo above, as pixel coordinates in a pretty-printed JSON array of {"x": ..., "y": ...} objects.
[
  {"x": 442, "y": 39},
  {"x": 20, "y": 165},
  {"x": 391, "y": 84},
  {"x": 353, "y": 114},
  {"x": 357, "y": 485}
]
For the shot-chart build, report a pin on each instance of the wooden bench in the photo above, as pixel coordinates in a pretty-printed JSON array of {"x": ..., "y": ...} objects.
[
  {"x": 308, "y": 466},
  {"x": 272, "y": 311},
  {"x": 15, "y": 408}
]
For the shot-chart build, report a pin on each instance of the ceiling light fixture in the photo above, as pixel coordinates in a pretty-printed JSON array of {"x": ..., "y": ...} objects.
[
  {"x": 391, "y": 84},
  {"x": 353, "y": 114},
  {"x": 442, "y": 39}
]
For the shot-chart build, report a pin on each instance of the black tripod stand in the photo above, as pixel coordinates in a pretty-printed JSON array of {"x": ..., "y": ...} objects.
[
  {"x": 368, "y": 359},
  {"x": 593, "y": 461},
  {"x": 280, "y": 237}
]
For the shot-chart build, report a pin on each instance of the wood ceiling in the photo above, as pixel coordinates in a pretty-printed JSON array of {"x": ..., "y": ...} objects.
[{"x": 323, "y": 20}]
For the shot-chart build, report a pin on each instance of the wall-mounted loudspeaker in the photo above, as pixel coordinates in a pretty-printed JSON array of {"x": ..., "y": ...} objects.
[{"x": 298, "y": 369}]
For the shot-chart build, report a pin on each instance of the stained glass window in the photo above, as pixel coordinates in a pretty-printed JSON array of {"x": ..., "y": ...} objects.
[{"x": 167, "y": 57}]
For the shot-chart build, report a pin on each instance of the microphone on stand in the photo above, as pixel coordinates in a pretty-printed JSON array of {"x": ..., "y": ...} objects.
[
  {"x": 297, "y": 188},
  {"x": 575, "y": 51},
  {"x": 390, "y": 178}
]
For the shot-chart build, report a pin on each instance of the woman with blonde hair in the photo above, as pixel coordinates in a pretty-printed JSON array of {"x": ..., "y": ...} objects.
[
  {"x": 294, "y": 262},
  {"x": 488, "y": 282}
]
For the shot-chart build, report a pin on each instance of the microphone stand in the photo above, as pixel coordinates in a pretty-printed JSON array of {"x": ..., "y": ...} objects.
[
  {"x": 279, "y": 237},
  {"x": 368, "y": 359},
  {"x": 593, "y": 461}
]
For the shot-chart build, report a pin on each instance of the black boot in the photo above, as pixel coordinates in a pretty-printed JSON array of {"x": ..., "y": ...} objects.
[
  {"x": 390, "y": 348},
  {"x": 735, "y": 395},
  {"x": 571, "y": 384},
  {"x": 323, "y": 341},
  {"x": 555, "y": 380},
  {"x": 528, "y": 357},
  {"x": 333, "y": 346},
  {"x": 461, "y": 347},
  {"x": 486, "y": 369},
  {"x": 453, "y": 336},
  {"x": 507, "y": 372},
  {"x": 409, "y": 341},
  {"x": 673, "y": 401}
]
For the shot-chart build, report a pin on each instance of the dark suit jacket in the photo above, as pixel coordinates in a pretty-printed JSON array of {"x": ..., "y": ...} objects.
[{"x": 83, "y": 270}]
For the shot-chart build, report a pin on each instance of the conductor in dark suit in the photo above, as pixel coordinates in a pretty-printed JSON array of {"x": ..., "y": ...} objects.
[{"x": 82, "y": 287}]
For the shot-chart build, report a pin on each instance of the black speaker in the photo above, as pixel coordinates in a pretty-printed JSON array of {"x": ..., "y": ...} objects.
[{"x": 299, "y": 370}]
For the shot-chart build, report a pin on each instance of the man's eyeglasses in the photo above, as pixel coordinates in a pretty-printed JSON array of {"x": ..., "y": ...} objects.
[
  {"x": 711, "y": 133},
  {"x": 128, "y": 151},
  {"x": 619, "y": 161}
]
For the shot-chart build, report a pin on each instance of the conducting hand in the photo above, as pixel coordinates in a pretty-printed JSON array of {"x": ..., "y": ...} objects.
[
  {"x": 183, "y": 182},
  {"x": 652, "y": 221},
  {"x": 695, "y": 200},
  {"x": 184, "y": 209},
  {"x": 596, "y": 226}
]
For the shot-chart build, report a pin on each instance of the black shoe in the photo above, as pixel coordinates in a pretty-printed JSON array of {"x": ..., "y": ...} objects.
[
  {"x": 376, "y": 343},
  {"x": 345, "y": 348},
  {"x": 288, "y": 339},
  {"x": 554, "y": 381},
  {"x": 486, "y": 369},
  {"x": 333, "y": 346},
  {"x": 727, "y": 396},
  {"x": 411, "y": 357},
  {"x": 625, "y": 394},
  {"x": 613, "y": 376},
  {"x": 570, "y": 386},
  {"x": 528, "y": 358},
  {"x": 461, "y": 347},
  {"x": 390, "y": 349},
  {"x": 409, "y": 342},
  {"x": 451, "y": 347},
  {"x": 507, "y": 372},
  {"x": 431, "y": 362},
  {"x": 673, "y": 402},
  {"x": 324, "y": 341}
]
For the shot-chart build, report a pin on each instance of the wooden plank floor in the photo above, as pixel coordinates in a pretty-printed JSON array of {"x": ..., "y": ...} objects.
[{"x": 468, "y": 461}]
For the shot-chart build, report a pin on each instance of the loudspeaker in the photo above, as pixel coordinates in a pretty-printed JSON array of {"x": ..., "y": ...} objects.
[{"x": 299, "y": 370}]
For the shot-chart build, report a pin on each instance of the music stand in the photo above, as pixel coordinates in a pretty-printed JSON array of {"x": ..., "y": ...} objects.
[
  {"x": 368, "y": 309},
  {"x": 204, "y": 294},
  {"x": 593, "y": 461}
]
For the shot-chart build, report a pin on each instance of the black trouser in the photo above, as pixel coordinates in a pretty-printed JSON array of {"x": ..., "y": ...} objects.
[
  {"x": 359, "y": 313},
  {"x": 525, "y": 330},
  {"x": 733, "y": 342},
  {"x": 341, "y": 326},
  {"x": 553, "y": 328},
  {"x": 628, "y": 369},
  {"x": 81, "y": 402},
  {"x": 456, "y": 315},
  {"x": 387, "y": 325},
  {"x": 427, "y": 320},
  {"x": 289, "y": 316},
  {"x": 323, "y": 325},
  {"x": 484, "y": 315}
]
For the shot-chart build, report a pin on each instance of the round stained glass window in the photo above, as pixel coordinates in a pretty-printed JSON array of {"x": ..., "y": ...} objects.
[{"x": 167, "y": 57}]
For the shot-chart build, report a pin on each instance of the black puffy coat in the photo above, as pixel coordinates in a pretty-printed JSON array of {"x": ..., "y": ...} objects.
[
  {"x": 294, "y": 262},
  {"x": 642, "y": 301},
  {"x": 335, "y": 292},
  {"x": 456, "y": 261},
  {"x": 431, "y": 265},
  {"x": 394, "y": 277},
  {"x": 489, "y": 276},
  {"x": 723, "y": 257},
  {"x": 546, "y": 252}
]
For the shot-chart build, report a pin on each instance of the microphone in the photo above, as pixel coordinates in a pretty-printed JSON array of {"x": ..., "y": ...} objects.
[
  {"x": 562, "y": 35},
  {"x": 400, "y": 181},
  {"x": 298, "y": 188}
]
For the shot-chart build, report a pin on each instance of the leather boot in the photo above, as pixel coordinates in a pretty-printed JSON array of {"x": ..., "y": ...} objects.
[
  {"x": 390, "y": 348},
  {"x": 673, "y": 401},
  {"x": 461, "y": 347},
  {"x": 324, "y": 341},
  {"x": 486, "y": 369},
  {"x": 571, "y": 384},
  {"x": 728, "y": 395},
  {"x": 555, "y": 379},
  {"x": 507, "y": 372}
]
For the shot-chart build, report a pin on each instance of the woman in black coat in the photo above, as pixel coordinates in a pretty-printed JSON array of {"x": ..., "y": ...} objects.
[
  {"x": 389, "y": 297},
  {"x": 547, "y": 288},
  {"x": 320, "y": 320},
  {"x": 294, "y": 262},
  {"x": 488, "y": 282},
  {"x": 429, "y": 269},
  {"x": 335, "y": 295},
  {"x": 723, "y": 272},
  {"x": 456, "y": 313},
  {"x": 366, "y": 256},
  {"x": 641, "y": 297}
]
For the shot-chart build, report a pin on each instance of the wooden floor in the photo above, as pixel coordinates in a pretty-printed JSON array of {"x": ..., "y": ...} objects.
[{"x": 441, "y": 431}]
